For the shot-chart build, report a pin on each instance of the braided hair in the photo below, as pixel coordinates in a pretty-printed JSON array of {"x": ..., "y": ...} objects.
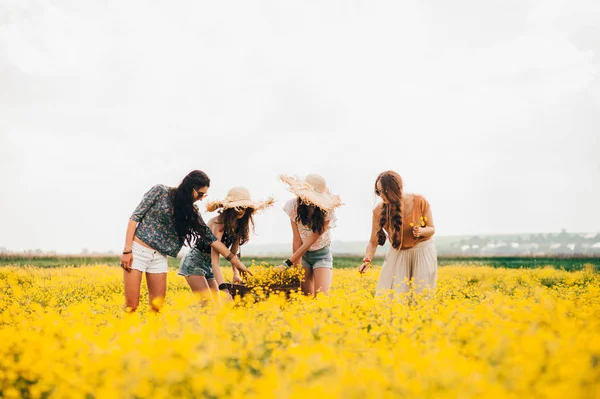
[{"x": 391, "y": 213}]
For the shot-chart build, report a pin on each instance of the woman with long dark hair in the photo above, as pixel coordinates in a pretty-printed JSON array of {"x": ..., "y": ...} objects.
[
  {"x": 405, "y": 220},
  {"x": 231, "y": 226},
  {"x": 162, "y": 223},
  {"x": 312, "y": 217}
]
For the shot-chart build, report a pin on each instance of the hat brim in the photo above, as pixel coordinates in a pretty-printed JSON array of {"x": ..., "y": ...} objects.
[
  {"x": 325, "y": 200},
  {"x": 258, "y": 206}
]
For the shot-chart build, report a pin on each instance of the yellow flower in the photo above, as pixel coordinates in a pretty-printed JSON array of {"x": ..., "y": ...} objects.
[{"x": 488, "y": 332}]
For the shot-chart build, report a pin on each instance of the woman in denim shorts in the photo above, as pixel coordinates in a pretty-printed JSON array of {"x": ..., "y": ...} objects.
[
  {"x": 312, "y": 217},
  {"x": 231, "y": 226}
]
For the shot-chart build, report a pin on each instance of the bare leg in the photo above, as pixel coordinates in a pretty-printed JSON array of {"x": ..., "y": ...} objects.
[
  {"x": 157, "y": 288},
  {"x": 323, "y": 277},
  {"x": 201, "y": 288},
  {"x": 132, "y": 280},
  {"x": 212, "y": 283},
  {"x": 308, "y": 286},
  {"x": 218, "y": 295}
]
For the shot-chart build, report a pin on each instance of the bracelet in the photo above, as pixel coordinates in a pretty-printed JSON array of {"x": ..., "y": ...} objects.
[
  {"x": 230, "y": 256},
  {"x": 127, "y": 252},
  {"x": 366, "y": 260},
  {"x": 288, "y": 262}
]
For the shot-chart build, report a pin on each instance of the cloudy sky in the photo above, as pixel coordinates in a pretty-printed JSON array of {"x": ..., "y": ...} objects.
[{"x": 489, "y": 109}]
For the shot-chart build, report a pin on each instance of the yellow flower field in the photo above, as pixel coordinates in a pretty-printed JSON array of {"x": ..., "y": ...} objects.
[{"x": 485, "y": 333}]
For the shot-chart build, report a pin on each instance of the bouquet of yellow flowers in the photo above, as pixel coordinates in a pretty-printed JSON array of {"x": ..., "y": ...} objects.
[{"x": 422, "y": 222}]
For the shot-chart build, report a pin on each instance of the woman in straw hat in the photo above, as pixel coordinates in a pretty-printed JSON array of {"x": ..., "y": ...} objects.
[
  {"x": 231, "y": 226},
  {"x": 312, "y": 216},
  {"x": 162, "y": 223},
  {"x": 405, "y": 220}
]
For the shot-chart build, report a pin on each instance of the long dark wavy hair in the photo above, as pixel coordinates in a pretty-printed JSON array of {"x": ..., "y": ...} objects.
[
  {"x": 316, "y": 222},
  {"x": 241, "y": 232},
  {"x": 188, "y": 221},
  {"x": 391, "y": 214}
]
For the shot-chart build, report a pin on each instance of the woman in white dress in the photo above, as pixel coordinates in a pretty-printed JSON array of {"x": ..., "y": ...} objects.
[{"x": 405, "y": 220}]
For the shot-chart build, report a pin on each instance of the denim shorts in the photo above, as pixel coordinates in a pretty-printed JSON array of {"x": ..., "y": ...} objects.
[
  {"x": 196, "y": 263},
  {"x": 148, "y": 260},
  {"x": 321, "y": 258}
]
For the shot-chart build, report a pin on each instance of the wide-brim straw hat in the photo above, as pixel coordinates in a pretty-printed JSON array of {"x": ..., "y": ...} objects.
[
  {"x": 239, "y": 198},
  {"x": 313, "y": 191}
]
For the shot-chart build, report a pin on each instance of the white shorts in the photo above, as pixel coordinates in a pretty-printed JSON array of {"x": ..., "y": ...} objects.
[{"x": 148, "y": 260}]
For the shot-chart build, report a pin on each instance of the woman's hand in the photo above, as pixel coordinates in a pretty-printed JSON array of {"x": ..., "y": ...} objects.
[
  {"x": 126, "y": 261},
  {"x": 417, "y": 232},
  {"x": 363, "y": 268},
  {"x": 236, "y": 278},
  {"x": 237, "y": 263},
  {"x": 281, "y": 268}
]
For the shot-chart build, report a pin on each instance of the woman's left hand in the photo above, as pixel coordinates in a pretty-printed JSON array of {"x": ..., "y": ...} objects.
[
  {"x": 363, "y": 268},
  {"x": 417, "y": 232}
]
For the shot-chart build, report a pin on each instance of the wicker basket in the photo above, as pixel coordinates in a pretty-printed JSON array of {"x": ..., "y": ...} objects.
[
  {"x": 242, "y": 290},
  {"x": 238, "y": 289},
  {"x": 287, "y": 288}
]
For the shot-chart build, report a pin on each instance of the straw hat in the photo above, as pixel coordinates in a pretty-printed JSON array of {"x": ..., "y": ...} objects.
[
  {"x": 313, "y": 191},
  {"x": 239, "y": 198}
]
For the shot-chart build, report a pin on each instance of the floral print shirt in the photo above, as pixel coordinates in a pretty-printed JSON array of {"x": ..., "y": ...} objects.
[{"x": 156, "y": 222}]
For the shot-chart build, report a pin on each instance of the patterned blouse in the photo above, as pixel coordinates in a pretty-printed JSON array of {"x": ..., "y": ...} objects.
[
  {"x": 291, "y": 208},
  {"x": 156, "y": 222}
]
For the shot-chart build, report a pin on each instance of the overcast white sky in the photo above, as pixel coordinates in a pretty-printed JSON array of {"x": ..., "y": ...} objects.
[{"x": 491, "y": 109}]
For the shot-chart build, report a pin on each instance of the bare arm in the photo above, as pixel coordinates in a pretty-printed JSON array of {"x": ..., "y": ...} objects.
[
  {"x": 312, "y": 238},
  {"x": 214, "y": 255},
  {"x": 127, "y": 259},
  {"x": 147, "y": 202},
  {"x": 235, "y": 261},
  {"x": 297, "y": 240},
  {"x": 426, "y": 231},
  {"x": 373, "y": 240},
  {"x": 236, "y": 274}
]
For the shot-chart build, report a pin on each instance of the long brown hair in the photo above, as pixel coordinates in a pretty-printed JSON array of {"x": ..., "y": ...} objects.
[
  {"x": 391, "y": 214},
  {"x": 188, "y": 221},
  {"x": 316, "y": 222},
  {"x": 241, "y": 232}
]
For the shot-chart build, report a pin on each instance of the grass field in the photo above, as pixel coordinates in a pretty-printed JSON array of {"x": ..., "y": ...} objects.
[{"x": 485, "y": 332}]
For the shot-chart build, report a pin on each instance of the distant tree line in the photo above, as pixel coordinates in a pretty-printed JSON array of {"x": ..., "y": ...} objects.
[{"x": 562, "y": 243}]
